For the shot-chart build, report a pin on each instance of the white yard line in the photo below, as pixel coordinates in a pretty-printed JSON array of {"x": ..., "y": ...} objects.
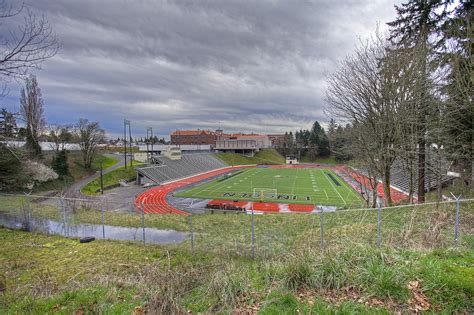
[
  {"x": 334, "y": 187},
  {"x": 208, "y": 189},
  {"x": 294, "y": 182}
]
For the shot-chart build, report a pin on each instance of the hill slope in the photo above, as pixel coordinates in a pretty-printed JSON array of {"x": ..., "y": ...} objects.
[
  {"x": 264, "y": 156},
  {"x": 416, "y": 267}
]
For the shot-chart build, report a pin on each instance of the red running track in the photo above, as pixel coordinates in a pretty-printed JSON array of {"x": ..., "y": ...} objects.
[
  {"x": 397, "y": 196},
  {"x": 154, "y": 199}
]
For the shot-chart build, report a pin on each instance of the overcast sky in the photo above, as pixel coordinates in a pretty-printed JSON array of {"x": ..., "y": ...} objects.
[{"x": 239, "y": 65}]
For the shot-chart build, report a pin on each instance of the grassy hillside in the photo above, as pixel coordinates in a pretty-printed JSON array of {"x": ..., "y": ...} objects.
[
  {"x": 322, "y": 160},
  {"x": 111, "y": 179},
  {"x": 264, "y": 156},
  {"x": 56, "y": 274},
  {"x": 107, "y": 161},
  {"x": 113, "y": 149},
  {"x": 416, "y": 268},
  {"x": 76, "y": 170}
]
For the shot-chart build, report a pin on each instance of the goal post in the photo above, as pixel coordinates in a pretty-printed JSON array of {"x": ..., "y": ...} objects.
[{"x": 264, "y": 193}]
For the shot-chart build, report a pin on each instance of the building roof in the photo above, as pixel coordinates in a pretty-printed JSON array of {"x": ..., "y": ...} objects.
[
  {"x": 251, "y": 136},
  {"x": 192, "y": 132}
]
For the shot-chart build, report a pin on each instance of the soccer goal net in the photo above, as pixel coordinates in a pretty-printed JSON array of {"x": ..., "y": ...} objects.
[{"x": 264, "y": 193}]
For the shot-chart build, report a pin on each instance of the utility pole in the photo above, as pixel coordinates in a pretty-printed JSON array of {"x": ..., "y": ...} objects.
[
  {"x": 130, "y": 137},
  {"x": 126, "y": 123},
  {"x": 147, "y": 139},
  {"x": 125, "y": 140},
  {"x": 149, "y": 135},
  {"x": 152, "y": 139},
  {"x": 101, "y": 179}
]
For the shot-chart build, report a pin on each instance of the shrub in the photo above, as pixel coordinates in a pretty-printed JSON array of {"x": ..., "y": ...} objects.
[
  {"x": 12, "y": 174},
  {"x": 38, "y": 173},
  {"x": 59, "y": 163}
]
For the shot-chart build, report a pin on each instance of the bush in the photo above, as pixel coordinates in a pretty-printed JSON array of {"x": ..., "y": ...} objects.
[
  {"x": 12, "y": 175},
  {"x": 60, "y": 164},
  {"x": 38, "y": 173}
]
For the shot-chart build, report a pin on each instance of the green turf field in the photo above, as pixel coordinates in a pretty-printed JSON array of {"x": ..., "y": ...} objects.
[{"x": 293, "y": 185}]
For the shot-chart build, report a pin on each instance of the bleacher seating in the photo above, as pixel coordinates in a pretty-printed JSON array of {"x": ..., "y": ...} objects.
[
  {"x": 400, "y": 175},
  {"x": 166, "y": 170}
]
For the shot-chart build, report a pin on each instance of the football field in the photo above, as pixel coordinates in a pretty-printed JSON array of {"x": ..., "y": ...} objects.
[{"x": 283, "y": 185}]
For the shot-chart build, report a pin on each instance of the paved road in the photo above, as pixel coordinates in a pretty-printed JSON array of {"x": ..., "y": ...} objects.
[{"x": 74, "y": 191}]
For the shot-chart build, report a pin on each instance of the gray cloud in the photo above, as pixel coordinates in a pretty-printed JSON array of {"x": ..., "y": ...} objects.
[{"x": 240, "y": 65}]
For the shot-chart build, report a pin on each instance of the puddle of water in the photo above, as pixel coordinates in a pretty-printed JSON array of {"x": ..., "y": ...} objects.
[{"x": 153, "y": 236}]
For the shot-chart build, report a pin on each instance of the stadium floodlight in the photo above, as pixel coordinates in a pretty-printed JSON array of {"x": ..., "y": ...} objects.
[
  {"x": 126, "y": 123},
  {"x": 264, "y": 193},
  {"x": 149, "y": 140},
  {"x": 125, "y": 141}
]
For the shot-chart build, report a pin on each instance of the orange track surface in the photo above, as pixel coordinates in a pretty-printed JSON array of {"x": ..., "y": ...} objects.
[
  {"x": 397, "y": 196},
  {"x": 266, "y": 206},
  {"x": 300, "y": 208},
  {"x": 154, "y": 199}
]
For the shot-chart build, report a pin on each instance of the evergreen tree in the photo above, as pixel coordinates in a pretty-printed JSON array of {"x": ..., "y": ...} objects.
[
  {"x": 416, "y": 28},
  {"x": 458, "y": 113},
  {"x": 60, "y": 163},
  {"x": 313, "y": 146},
  {"x": 324, "y": 149},
  {"x": 12, "y": 174},
  {"x": 21, "y": 133},
  {"x": 341, "y": 146},
  {"x": 8, "y": 127}
]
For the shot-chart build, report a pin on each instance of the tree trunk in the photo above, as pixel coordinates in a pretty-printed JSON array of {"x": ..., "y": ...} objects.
[
  {"x": 374, "y": 183},
  {"x": 386, "y": 186},
  {"x": 411, "y": 187},
  {"x": 374, "y": 196}
]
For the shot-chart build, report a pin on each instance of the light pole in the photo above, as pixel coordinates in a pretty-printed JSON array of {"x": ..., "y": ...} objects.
[
  {"x": 125, "y": 141},
  {"x": 150, "y": 140},
  {"x": 126, "y": 123},
  {"x": 130, "y": 137},
  {"x": 101, "y": 179}
]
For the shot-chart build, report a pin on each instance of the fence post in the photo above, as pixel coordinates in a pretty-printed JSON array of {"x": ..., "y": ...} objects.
[
  {"x": 143, "y": 221},
  {"x": 63, "y": 213},
  {"x": 103, "y": 218},
  {"x": 321, "y": 227},
  {"x": 26, "y": 215},
  {"x": 191, "y": 230},
  {"x": 379, "y": 221},
  {"x": 253, "y": 234},
  {"x": 28, "y": 209},
  {"x": 456, "y": 226}
]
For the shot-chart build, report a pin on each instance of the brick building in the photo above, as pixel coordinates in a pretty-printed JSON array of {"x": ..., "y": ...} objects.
[{"x": 180, "y": 137}]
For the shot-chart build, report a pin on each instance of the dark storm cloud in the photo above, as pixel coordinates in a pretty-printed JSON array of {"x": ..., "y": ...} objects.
[{"x": 238, "y": 65}]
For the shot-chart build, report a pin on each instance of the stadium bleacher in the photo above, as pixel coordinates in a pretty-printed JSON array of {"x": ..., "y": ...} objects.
[
  {"x": 165, "y": 169},
  {"x": 400, "y": 178}
]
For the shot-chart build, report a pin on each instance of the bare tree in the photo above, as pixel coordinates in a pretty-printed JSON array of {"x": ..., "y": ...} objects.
[
  {"x": 60, "y": 135},
  {"x": 31, "y": 110},
  {"x": 27, "y": 44},
  {"x": 90, "y": 135},
  {"x": 458, "y": 111},
  {"x": 370, "y": 90}
]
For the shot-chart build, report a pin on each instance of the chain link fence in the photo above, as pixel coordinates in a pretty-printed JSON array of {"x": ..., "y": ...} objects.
[{"x": 243, "y": 233}]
